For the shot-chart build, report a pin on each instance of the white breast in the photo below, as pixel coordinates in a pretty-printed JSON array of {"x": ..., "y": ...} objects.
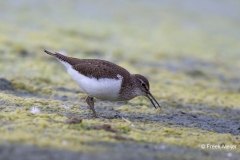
[{"x": 104, "y": 88}]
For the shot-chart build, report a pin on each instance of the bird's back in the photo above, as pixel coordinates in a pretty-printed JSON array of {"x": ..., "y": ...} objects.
[
  {"x": 93, "y": 67},
  {"x": 100, "y": 69}
]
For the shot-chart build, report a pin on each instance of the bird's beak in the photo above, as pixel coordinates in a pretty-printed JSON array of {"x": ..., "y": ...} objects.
[{"x": 152, "y": 99}]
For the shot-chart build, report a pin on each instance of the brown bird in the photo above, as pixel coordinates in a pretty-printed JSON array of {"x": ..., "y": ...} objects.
[{"x": 105, "y": 80}]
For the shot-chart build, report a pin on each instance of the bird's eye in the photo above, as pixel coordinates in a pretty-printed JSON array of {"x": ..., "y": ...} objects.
[{"x": 143, "y": 84}]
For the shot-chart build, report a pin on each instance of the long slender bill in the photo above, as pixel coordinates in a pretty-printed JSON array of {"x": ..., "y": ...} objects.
[{"x": 152, "y": 99}]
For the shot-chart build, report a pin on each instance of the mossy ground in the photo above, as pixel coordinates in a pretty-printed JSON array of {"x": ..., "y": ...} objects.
[{"x": 191, "y": 60}]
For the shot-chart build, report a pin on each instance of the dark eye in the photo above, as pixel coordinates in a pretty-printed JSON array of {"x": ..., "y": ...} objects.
[{"x": 143, "y": 84}]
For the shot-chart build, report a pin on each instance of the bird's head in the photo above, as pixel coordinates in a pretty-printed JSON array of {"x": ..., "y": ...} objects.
[{"x": 144, "y": 89}]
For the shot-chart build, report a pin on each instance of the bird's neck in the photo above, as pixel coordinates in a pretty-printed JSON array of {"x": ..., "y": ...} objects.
[{"x": 129, "y": 88}]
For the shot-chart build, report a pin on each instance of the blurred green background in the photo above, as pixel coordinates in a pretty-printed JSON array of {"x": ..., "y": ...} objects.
[
  {"x": 189, "y": 50},
  {"x": 166, "y": 35}
]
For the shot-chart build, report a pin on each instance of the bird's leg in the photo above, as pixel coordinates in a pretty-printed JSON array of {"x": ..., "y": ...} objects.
[{"x": 90, "y": 103}]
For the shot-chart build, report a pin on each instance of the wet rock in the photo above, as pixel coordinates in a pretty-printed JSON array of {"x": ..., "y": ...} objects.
[
  {"x": 62, "y": 89},
  {"x": 122, "y": 138},
  {"x": 5, "y": 84},
  {"x": 106, "y": 127},
  {"x": 23, "y": 52},
  {"x": 196, "y": 73},
  {"x": 73, "y": 120},
  {"x": 61, "y": 98}
]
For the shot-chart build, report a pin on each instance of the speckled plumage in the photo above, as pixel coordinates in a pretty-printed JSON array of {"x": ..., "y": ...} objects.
[{"x": 105, "y": 80}]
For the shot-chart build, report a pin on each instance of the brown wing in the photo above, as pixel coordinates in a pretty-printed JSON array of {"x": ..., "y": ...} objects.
[
  {"x": 93, "y": 67},
  {"x": 100, "y": 69}
]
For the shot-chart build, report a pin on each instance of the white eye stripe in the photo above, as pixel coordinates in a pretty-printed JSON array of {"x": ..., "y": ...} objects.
[
  {"x": 141, "y": 80},
  {"x": 143, "y": 84}
]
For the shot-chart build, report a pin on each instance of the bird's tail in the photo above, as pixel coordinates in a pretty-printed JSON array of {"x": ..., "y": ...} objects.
[
  {"x": 66, "y": 61},
  {"x": 50, "y": 53}
]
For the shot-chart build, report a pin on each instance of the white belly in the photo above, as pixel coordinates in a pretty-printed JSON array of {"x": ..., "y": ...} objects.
[{"x": 103, "y": 88}]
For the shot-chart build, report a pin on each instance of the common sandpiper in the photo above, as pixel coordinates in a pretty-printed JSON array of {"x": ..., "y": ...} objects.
[{"x": 105, "y": 80}]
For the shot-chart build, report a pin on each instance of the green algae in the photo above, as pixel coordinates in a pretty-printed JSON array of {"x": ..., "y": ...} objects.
[
  {"x": 192, "y": 69},
  {"x": 48, "y": 128},
  {"x": 43, "y": 129}
]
